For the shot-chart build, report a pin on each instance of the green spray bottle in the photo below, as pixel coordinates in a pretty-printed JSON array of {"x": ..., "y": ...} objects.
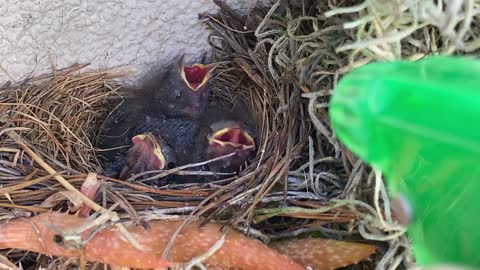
[{"x": 419, "y": 124}]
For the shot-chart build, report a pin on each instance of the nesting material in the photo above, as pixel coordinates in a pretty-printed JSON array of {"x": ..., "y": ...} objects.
[{"x": 58, "y": 115}]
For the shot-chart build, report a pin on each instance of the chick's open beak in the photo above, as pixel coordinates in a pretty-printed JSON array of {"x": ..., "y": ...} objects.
[
  {"x": 234, "y": 137},
  {"x": 196, "y": 75},
  {"x": 146, "y": 145}
]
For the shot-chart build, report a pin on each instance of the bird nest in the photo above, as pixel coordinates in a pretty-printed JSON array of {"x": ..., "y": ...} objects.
[{"x": 283, "y": 62}]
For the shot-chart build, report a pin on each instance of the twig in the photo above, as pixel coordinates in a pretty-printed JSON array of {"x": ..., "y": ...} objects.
[{"x": 112, "y": 215}]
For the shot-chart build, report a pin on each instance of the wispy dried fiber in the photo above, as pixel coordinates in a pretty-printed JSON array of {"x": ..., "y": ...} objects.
[
  {"x": 387, "y": 30},
  {"x": 58, "y": 115}
]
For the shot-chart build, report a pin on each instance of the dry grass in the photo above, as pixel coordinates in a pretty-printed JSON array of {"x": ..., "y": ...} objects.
[{"x": 46, "y": 113}]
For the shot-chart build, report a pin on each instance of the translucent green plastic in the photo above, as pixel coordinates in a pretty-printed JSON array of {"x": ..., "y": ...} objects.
[{"x": 419, "y": 123}]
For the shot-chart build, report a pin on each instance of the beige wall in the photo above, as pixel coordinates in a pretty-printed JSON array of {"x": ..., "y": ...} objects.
[{"x": 106, "y": 33}]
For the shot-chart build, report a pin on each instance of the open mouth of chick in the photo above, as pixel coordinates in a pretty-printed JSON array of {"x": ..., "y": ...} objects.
[{"x": 196, "y": 75}]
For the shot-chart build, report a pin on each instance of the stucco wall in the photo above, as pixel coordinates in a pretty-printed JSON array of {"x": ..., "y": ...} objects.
[{"x": 106, "y": 33}]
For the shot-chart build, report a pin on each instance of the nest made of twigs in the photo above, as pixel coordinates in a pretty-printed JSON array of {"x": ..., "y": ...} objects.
[{"x": 283, "y": 62}]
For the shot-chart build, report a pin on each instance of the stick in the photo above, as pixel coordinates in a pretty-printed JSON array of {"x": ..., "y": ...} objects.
[{"x": 87, "y": 201}]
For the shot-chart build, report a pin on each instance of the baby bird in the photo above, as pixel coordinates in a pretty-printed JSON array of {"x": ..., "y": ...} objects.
[
  {"x": 228, "y": 137},
  {"x": 184, "y": 90},
  {"x": 149, "y": 152},
  {"x": 173, "y": 135},
  {"x": 226, "y": 131},
  {"x": 179, "y": 132}
]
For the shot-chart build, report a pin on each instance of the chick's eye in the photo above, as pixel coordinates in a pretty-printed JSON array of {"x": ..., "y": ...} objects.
[{"x": 170, "y": 165}]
